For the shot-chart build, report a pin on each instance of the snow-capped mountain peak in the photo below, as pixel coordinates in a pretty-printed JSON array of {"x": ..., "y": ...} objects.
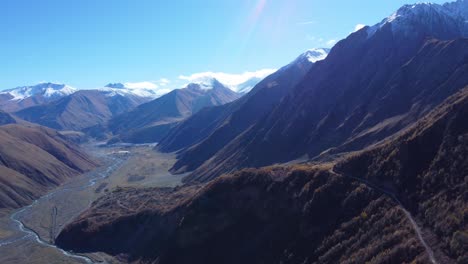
[
  {"x": 308, "y": 58},
  {"x": 144, "y": 89},
  {"x": 240, "y": 83},
  {"x": 47, "y": 90},
  {"x": 311, "y": 56},
  {"x": 314, "y": 55},
  {"x": 207, "y": 83}
]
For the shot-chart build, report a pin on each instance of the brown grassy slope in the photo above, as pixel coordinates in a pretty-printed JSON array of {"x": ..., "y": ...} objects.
[
  {"x": 17, "y": 189},
  {"x": 33, "y": 159}
]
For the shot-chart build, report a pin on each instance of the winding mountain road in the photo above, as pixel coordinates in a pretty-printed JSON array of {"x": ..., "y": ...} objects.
[{"x": 408, "y": 215}]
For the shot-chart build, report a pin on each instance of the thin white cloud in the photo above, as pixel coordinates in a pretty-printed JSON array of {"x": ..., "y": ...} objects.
[
  {"x": 229, "y": 79},
  {"x": 359, "y": 27},
  {"x": 310, "y": 37},
  {"x": 321, "y": 41},
  {"x": 331, "y": 42},
  {"x": 161, "y": 92},
  {"x": 141, "y": 85},
  {"x": 163, "y": 82},
  {"x": 311, "y": 22},
  {"x": 236, "y": 82}
]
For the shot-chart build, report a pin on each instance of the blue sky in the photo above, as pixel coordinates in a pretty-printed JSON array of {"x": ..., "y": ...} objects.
[{"x": 89, "y": 43}]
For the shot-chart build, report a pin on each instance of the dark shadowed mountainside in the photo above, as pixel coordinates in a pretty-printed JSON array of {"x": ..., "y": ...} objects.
[
  {"x": 208, "y": 131},
  {"x": 374, "y": 83}
]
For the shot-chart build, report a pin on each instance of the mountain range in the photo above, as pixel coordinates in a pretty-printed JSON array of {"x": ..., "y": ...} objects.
[
  {"x": 22, "y": 97},
  {"x": 80, "y": 110},
  {"x": 360, "y": 156},
  {"x": 149, "y": 122},
  {"x": 355, "y": 154},
  {"x": 112, "y": 110}
]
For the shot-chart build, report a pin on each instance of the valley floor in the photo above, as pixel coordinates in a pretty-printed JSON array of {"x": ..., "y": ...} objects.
[{"x": 125, "y": 166}]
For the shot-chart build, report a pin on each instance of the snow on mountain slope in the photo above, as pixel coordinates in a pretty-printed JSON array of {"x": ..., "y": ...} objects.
[
  {"x": 449, "y": 18},
  {"x": 314, "y": 55},
  {"x": 207, "y": 83},
  {"x": 248, "y": 85},
  {"x": 145, "y": 89},
  {"x": 309, "y": 57},
  {"x": 210, "y": 82},
  {"x": 47, "y": 90}
]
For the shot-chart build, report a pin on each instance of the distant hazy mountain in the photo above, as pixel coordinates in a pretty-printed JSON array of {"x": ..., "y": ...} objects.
[
  {"x": 150, "y": 121},
  {"x": 208, "y": 131},
  {"x": 22, "y": 97},
  {"x": 314, "y": 55},
  {"x": 80, "y": 110}
]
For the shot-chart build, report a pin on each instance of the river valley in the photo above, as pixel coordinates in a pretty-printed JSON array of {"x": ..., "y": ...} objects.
[{"x": 27, "y": 234}]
